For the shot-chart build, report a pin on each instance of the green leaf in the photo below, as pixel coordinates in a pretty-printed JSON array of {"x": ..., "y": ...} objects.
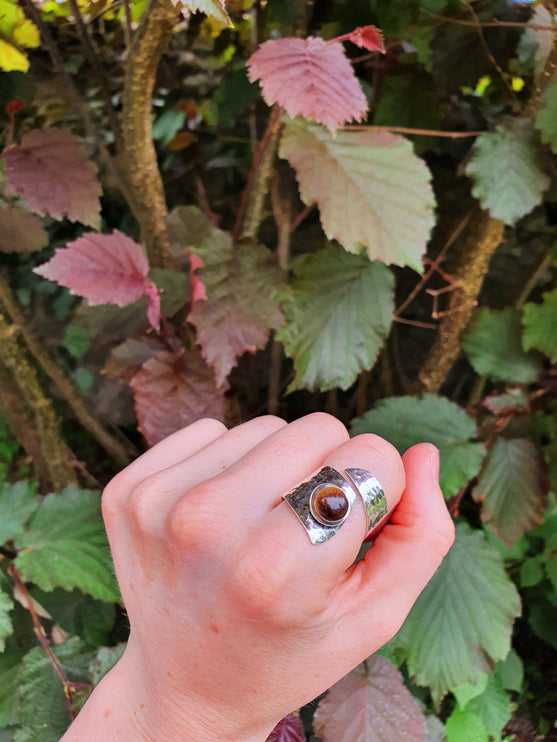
[
  {"x": 17, "y": 502},
  {"x": 493, "y": 707},
  {"x": 508, "y": 168},
  {"x": 493, "y": 346},
  {"x": 511, "y": 488},
  {"x": 405, "y": 421},
  {"x": 540, "y": 325},
  {"x": 465, "y": 726},
  {"x": 546, "y": 120},
  {"x": 92, "y": 620},
  {"x": 463, "y": 619},
  {"x": 66, "y": 546},
  {"x": 242, "y": 304},
  {"x": 214, "y": 8},
  {"x": 510, "y": 672},
  {"x": 465, "y": 693},
  {"x": 542, "y": 617},
  {"x": 373, "y": 193},
  {"x": 76, "y": 341},
  {"x": 6, "y": 606},
  {"x": 531, "y": 572},
  {"x": 338, "y": 318},
  {"x": 10, "y": 669},
  {"x": 408, "y": 100},
  {"x": 104, "y": 660},
  {"x": 43, "y": 707}
]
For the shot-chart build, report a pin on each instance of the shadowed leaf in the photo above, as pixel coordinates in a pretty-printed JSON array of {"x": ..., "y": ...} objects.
[
  {"x": 310, "y": 78},
  {"x": 49, "y": 170},
  {"x": 540, "y": 325},
  {"x": 173, "y": 391},
  {"x": 288, "y": 729},
  {"x": 378, "y": 706},
  {"x": 372, "y": 191},
  {"x": 546, "y": 120},
  {"x": 493, "y": 345},
  {"x": 20, "y": 231},
  {"x": 511, "y": 488},
  {"x": 241, "y": 307},
  {"x": 508, "y": 169}
]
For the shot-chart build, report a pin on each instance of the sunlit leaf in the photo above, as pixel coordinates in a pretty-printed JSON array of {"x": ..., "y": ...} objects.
[
  {"x": 172, "y": 391},
  {"x": 49, "y": 170},
  {"x": 373, "y": 193},
  {"x": 241, "y": 306},
  {"x": 494, "y": 348},
  {"x": 405, "y": 421},
  {"x": 17, "y": 33},
  {"x": 465, "y": 725},
  {"x": 508, "y": 169},
  {"x": 105, "y": 269},
  {"x": 462, "y": 621},
  {"x": 493, "y": 706},
  {"x": 310, "y": 78},
  {"x": 65, "y": 545},
  {"x": 540, "y": 325},
  {"x": 375, "y": 706},
  {"x": 341, "y": 307},
  {"x": 511, "y": 488},
  {"x": 214, "y": 8}
]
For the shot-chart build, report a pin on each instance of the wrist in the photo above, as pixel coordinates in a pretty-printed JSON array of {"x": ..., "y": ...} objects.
[{"x": 123, "y": 709}]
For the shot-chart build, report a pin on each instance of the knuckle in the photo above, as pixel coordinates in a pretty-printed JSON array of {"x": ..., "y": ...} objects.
[
  {"x": 211, "y": 424},
  {"x": 385, "y": 449},
  {"x": 194, "y": 522},
  {"x": 140, "y": 505},
  {"x": 329, "y": 425}
]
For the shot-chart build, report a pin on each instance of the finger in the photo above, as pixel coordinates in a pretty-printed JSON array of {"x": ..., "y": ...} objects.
[
  {"x": 381, "y": 589},
  {"x": 176, "y": 447},
  {"x": 292, "y": 573},
  {"x": 149, "y": 502}
]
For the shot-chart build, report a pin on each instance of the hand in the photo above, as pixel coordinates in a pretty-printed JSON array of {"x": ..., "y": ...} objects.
[{"x": 236, "y": 617}]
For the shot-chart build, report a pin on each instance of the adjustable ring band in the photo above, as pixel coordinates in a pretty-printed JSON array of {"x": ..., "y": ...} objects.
[
  {"x": 371, "y": 493},
  {"x": 323, "y": 503}
]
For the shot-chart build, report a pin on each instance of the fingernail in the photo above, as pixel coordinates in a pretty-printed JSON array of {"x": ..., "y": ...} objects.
[{"x": 434, "y": 465}]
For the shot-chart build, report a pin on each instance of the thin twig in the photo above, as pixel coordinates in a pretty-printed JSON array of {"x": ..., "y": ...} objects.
[
  {"x": 533, "y": 280},
  {"x": 490, "y": 24},
  {"x": 417, "y": 132},
  {"x": 415, "y": 323},
  {"x": 128, "y": 27},
  {"x": 92, "y": 55},
  {"x": 69, "y": 687},
  {"x": 491, "y": 58},
  {"x": 434, "y": 266},
  {"x": 299, "y": 218}
]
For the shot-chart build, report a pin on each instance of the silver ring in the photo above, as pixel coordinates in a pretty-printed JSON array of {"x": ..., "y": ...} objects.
[
  {"x": 373, "y": 495},
  {"x": 323, "y": 503}
]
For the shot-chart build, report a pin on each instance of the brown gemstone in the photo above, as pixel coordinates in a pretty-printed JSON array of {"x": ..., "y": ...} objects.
[{"x": 329, "y": 505}]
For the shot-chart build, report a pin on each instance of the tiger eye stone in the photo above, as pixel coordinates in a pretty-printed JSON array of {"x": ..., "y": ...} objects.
[{"x": 329, "y": 505}]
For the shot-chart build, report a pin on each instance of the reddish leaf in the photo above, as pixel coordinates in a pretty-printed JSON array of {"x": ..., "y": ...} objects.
[
  {"x": 377, "y": 707},
  {"x": 310, "y": 78},
  {"x": 20, "y": 231},
  {"x": 172, "y": 392},
  {"x": 105, "y": 269},
  {"x": 241, "y": 308},
  {"x": 289, "y": 729},
  {"x": 127, "y": 358},
  {"x": 198, "y": 291},
  {"x": 12, "y": 106},
  {"x": 49, "y": 170},
  {"x": 367, "y": 37}
]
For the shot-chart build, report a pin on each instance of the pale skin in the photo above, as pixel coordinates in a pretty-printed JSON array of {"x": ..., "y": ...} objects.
[{"x": 236, "y": 618}]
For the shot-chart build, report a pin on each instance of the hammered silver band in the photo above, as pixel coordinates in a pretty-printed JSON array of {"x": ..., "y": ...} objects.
[{"x": 358, "y": 481}]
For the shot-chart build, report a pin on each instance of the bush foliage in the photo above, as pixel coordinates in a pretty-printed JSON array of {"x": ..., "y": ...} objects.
[{"x": 221, "y": 209}]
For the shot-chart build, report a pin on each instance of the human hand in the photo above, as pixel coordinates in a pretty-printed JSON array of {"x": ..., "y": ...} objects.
[{"x": 236, "y": 617}]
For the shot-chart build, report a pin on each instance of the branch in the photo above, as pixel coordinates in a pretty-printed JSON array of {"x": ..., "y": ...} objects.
[
  {"x": 148, "y": 202},
  {"x": 120, "y": 450},
  {"x": 490, "y": 24},
  {"x": 53, "y": 455},
  {"x": 253, "y": 196},
  {"x": 420, "y": 132}
]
